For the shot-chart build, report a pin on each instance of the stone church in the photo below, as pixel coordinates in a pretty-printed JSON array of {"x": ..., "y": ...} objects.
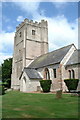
[{"x": 32, "y": 62}]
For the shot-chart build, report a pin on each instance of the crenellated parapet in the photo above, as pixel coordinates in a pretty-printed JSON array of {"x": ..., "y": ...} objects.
[{"x": 26, "y": 21}]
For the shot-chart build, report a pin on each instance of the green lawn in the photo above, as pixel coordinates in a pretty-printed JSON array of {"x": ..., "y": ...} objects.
[
  {"x": 35, "y": 105},
  {"x": 0, "y": 106}
]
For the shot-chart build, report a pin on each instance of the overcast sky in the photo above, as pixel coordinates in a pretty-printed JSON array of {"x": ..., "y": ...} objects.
[{"x": 62, "y": 20}]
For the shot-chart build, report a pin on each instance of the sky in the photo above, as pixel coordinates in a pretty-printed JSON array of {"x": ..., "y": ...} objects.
[{"x": 62, "y": 20}]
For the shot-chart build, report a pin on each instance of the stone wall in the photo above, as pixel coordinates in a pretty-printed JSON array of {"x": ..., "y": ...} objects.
[
  {"x": 28, "y": 85},
  {"x": 55, "y": 81}
]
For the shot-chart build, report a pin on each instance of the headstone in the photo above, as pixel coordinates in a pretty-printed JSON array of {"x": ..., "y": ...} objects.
[{"x": 59, "y": 94}]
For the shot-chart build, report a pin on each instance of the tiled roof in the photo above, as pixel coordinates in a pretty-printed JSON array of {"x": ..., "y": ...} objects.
[
  {"x": 50, "y": 58},
  {"x": 32, "y": 73},
  {"x": 75, "y": 58}
]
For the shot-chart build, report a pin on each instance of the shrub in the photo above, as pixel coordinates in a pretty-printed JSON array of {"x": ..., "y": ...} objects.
[
  {"x": 7, "y": 83},
  {"x": 2, "y": 90},
  {"x": 71, "y": 84},
  {"x": 46, "y": 85}
]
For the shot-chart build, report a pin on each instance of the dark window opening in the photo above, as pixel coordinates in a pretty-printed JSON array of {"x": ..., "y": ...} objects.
[
  {"x": 54, "y": 70},
  {"x": 20, "y": 34},
  {"x": 69, "y": 74},
  {"x": 33, "y": 32},
  {"x": 73, "y": 74}
]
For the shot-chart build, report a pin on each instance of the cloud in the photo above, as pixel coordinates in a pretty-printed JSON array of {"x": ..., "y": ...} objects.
[
  {"x": 59, "y": 5},
  {"x": 23, "y": 0},
  {"x": 6, "y": 19},
  {"x": 6, "y": 45},
  {"x": 4, "y": 56},
  {"x": 64, "y": 0},
  {"x": 29, "y": 7},
  {"x": 0, "y": 16},
  {"x": 10, "y": 28},
  {"x": 20, "y": 18},
  {"x": 40, "y": 0},
  {"x": 6, "y": 39},
  {"x": 60, "y": 31}
]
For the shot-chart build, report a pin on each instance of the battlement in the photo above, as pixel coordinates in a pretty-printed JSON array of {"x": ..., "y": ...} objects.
[{"x": 26, "y": 21}]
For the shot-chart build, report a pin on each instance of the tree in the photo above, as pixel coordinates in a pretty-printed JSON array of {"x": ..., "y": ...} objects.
[{"x": 6, "y": 72}]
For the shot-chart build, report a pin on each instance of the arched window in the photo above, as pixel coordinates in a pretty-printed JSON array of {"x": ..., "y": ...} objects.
[
  {"x": 73, "y": 74},
  {"x": 69, "y": 74},
  {"x": 46, "y": 74}
]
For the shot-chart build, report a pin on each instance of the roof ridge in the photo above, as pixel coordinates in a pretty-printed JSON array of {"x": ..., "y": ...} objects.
[
  {"x": 28, "y": 68},
  {"x": 55, "y": 50},
  {"x": 62, "y": 47}
]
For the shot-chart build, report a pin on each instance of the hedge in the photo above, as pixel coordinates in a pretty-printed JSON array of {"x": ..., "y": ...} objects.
[
  {"x": 71, "y": 84},
  {"x": 46, "y": 85}
]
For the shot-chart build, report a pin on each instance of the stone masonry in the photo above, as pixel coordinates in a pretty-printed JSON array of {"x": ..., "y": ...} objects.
[{"x": 30, "y": 41}]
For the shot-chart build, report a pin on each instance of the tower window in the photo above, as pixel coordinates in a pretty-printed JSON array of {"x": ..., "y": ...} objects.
[
  {"x": 33, "y": 32},
  {"x": 54, "y": 70},
  {"x": 20, "y": 34}
]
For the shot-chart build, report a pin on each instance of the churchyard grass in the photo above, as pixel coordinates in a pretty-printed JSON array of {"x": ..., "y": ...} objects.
[
  {"x": 37, "y": 105},
  {"x": 0, "y": 106}
]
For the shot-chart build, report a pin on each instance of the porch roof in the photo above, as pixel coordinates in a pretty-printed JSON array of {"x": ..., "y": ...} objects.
[{"x": 31, "y": 73}]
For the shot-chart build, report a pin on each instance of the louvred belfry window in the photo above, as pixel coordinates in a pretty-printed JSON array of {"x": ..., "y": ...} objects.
[{"x": 33, "y": 32}]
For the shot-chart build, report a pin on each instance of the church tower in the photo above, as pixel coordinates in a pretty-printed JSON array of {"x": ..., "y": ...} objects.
[{"x": 30, "y": 41}]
